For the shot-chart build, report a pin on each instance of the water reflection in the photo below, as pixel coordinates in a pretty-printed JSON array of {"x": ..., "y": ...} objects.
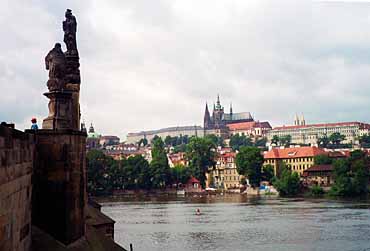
[{"x": 235, "y": 222}]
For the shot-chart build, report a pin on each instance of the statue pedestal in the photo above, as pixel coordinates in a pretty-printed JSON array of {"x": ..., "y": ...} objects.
[
  {"x": 59, "y": 110},
  {"x": 59, "y": 197}
]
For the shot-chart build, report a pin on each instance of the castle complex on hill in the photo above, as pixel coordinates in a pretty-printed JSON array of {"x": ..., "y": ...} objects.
[
  {"x": 225, "y": 124},
  {"x": 220, "y": 123}
]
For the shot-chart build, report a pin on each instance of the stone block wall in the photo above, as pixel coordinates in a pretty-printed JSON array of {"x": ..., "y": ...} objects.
[
  {"x": 59, "y": 181},
  {"x": 16, "y": 162}
]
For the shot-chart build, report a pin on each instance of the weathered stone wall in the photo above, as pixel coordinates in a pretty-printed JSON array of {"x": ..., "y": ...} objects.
[
  {"x": 59, "y": 181},
  {"x": 16, "y": 161}
]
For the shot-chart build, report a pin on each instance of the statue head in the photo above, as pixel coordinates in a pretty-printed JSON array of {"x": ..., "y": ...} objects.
[
  {"x": 58, "y": 46},
  {"x": 68, "y": 13}
]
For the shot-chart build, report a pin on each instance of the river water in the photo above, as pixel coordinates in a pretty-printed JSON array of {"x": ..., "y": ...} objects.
[{"x": 237, "y": 222}]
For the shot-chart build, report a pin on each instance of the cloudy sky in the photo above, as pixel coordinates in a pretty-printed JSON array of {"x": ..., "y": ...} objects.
[{"x": 150, "y": 64}]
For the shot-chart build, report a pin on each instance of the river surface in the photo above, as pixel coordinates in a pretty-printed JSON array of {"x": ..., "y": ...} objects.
[{"x": 237, "y": 222}]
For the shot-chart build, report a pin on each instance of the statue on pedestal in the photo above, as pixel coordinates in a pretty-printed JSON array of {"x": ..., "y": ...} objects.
[
  {"x": 70, "y": 29},
  {"x": 59, "y": 98},
  {"x": 64, "y": 80},
  {"x": 55, "y": 62},
  {"x": 72, "y": 76},
  {"x": 72, "y": 58}
]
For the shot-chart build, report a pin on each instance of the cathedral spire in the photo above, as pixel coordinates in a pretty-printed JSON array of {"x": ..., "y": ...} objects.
[
  {"x": 207, "y": 117},
  {"x": 231, "y": 108},
  {"x": 303, "y": 121},
  {"x": 91, "y": 129},
  {"x": 218, "y": 103},
  {"x": 296, "y": 120}
]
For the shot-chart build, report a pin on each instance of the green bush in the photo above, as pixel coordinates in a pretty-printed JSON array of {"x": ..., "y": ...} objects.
[
  {"x": 351, "y": 175},
  {"x": 316, "y": 190},
  {"x": 288, "y": 184}
]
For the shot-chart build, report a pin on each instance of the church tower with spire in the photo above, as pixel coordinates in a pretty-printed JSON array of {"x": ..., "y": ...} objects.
[
  {"x": 217, "y": 122},
  {"x": 207, "y": 118},
  {"x": 296, "y": 120},
  {"x": 218, "y": 113},
  {"x": 231, "y": 111}
]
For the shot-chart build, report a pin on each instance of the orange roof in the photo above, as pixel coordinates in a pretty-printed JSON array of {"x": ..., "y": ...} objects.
[
  {"x": 294, "y": 152},
  {"x": 226, "y": 155},
  {"x": 363, "y": 125},
  {"x": 248, "y": 125}
]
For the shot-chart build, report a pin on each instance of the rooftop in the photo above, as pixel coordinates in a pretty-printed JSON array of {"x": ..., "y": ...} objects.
[
  {"x": 360, "y": 124},
  {"x": 294, "y": 152},
  {"x": 320, "y": 168},
  {"x": 248, "y": 125}
]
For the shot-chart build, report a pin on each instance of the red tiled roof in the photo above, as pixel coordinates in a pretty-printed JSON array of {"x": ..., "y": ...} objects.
[
  {"x": 226, "y": 155},
  {"x": 337, "y": 154},
  {"x": 364, "y": 125},
  {"x": 193, "y": 180},
  {"x": 294, "y": 152},
  {"x": 248, "y": 125},
  {"x": 320, "y": 168}
]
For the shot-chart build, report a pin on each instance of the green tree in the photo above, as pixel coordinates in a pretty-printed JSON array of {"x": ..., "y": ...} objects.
[
  {"x": 168, "y": 140},
  {"x": 323, "y": 141},
  {"x": 322, "y": 159},
  {"x": 200, "y": 153},
  {"x": 185, "y": 139},
  {"x": 155, "y": 138},
  {"x": 143, "y": 142},
  {"x": 288, "y": 184},
  {"x": 181, "y": 174},
  {"x": 159, "y": 168},
  {"x": 237, "y": 141},
  {"x": 316, "y": 190},
  {"x": 365, "y": 140},
  {"x": 217, "y": 141},
  {"x": 336, "y": 138},
  {"x": 275, "y": 140},
  {"x": 342, "y": 182},
  {"x": 285, "y": 140},
  {"x": 261, "y": 142},
  {"x": 249, "y": 163},
  {"x": 136, "y": 173},
  {"x": 351, "y": 175},
  {"x": 99, "y": 180},
  {"x": 179, "y": 148},
  {"x": 268, "y": 173},
  {"x": 178, "y": 140}
]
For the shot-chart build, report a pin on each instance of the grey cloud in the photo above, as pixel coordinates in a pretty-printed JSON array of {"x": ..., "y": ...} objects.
[{"x": 151, "y": 64}]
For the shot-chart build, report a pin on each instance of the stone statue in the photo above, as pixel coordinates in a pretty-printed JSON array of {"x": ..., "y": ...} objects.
[
  {"x": 55, "y": 62},
  {"x": 70, "y": 28}
]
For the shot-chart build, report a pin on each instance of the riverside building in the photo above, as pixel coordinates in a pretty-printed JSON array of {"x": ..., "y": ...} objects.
[
  {"x": 224, "y": 175},
  {"x": 297, "y": 158}
]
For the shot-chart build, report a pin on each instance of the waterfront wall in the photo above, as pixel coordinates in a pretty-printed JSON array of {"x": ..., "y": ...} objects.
[{"x": 16, "y": 162}]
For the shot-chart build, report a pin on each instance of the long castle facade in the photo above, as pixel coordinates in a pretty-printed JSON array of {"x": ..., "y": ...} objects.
[{"x": 218, "y": 122}]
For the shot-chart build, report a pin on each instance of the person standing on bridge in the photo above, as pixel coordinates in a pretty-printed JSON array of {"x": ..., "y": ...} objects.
[{"x": 34, "y": 125}]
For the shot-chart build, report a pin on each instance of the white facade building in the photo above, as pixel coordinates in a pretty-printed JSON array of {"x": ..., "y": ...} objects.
[
  {"x": 133, "y": 138},
  {"x": 309, "y": 134}
]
